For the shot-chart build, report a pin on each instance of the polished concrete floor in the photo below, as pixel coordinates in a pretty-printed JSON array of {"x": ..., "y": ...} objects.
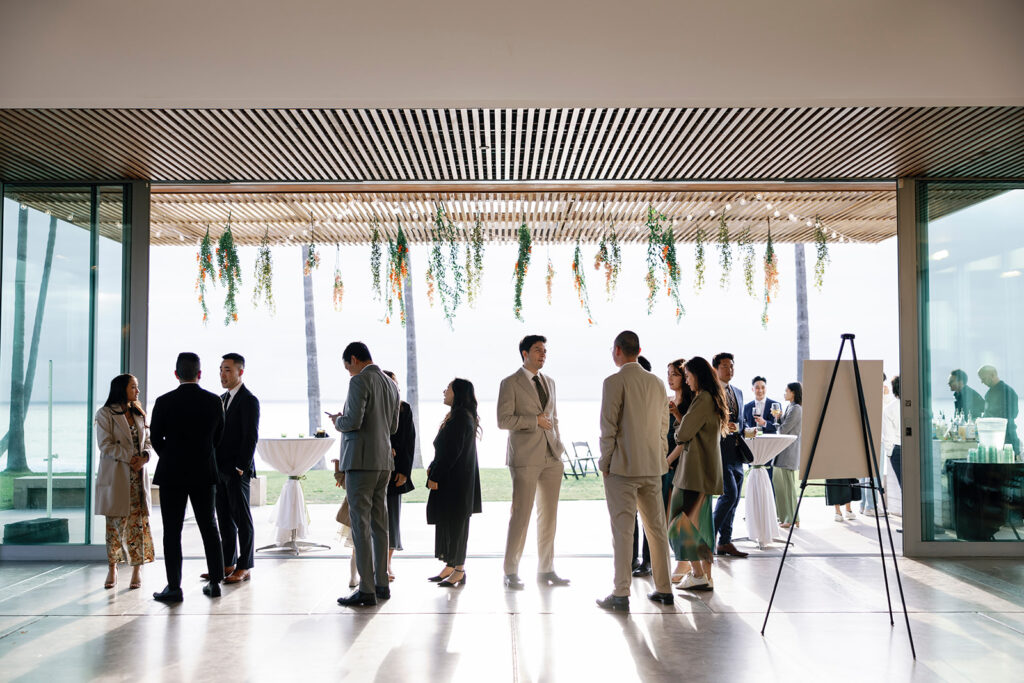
[{"x": 829, "y": 622}]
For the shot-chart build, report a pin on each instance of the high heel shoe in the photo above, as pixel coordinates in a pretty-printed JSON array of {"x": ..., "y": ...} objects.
[
  {"x": 453, "y": 584},
  {"x": 111, "y": 576},
  {"x": 440, "y": 577}
]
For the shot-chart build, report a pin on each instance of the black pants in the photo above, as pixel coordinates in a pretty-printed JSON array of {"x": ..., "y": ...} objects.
[
  {"x": 394, "y": 502},
  {"x": 645, "y": 554},
  {"x": 450, "y": 540},
  {"x": 897, "y": 463},
  {"x": 173, "y": 500},
  {"x": 725, "y": 508},
  {"x": 234, "y": 519}
]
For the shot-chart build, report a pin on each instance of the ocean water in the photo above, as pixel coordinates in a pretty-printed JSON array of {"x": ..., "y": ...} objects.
[{"x": 578, "y": 421}]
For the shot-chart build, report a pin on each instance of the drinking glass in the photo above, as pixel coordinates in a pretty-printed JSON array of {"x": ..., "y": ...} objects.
[{"x": 776, "y": 412}]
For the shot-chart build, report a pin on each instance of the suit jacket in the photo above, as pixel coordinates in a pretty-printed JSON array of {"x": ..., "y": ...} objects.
[
  {"x": 728, "y": 445},
  {"x": 748, "y": 415},
  {"x": 518, "y": 408},
  {"x": 700, "y": 433},
  {"x": 113, "y": 479},
  {"x": 241, "y": 432},
  {"x": 456, "y": 471},
  {"x": 368, "y": 420},
  {"x": 792, "y": 420},
  {"x": 185, "y": 428},
  {"x": 634, "y": 423},
  {"x": 403, "y": 442},
  {"x": 967, "y": 401}
]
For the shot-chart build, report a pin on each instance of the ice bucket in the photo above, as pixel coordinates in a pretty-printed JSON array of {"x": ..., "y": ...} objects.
[{"x": 992, "y": 432}]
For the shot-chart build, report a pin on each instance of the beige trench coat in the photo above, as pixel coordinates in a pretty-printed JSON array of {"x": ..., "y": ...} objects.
[{"x": 113, "y": 481}]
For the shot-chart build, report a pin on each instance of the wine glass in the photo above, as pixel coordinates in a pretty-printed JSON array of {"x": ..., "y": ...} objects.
[{"x": 776, "y": 412}]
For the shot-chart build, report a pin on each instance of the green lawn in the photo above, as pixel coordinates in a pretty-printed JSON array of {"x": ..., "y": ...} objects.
[{"x": 495, "y": 484}]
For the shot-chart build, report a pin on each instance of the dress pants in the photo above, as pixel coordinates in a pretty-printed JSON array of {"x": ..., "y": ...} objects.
[
  {"x": 366, "y": 491},
  {"x": 234, "y": 519},
  {"x": 173, "y": 500},
  {"x": 541, "y": 484},
  {"x": 897, "y": 463},
  {"x": 624, "y": 496},
  {"x": 725, "y": 508}
]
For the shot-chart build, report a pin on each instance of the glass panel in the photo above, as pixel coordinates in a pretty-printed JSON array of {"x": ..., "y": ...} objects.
[
  {"x": 972, "y": 264},
  {"x": 45, "y": 323}
]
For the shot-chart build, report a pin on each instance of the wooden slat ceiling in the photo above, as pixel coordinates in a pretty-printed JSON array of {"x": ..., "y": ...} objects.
[
  {"x": 551, "y": 217},
  {"x": 510, "y": 145}
]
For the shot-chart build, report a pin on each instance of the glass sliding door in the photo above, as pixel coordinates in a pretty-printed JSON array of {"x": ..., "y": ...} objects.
[
  {"x": 61, "y": 295},
  {"x": 972, "y": 360}
]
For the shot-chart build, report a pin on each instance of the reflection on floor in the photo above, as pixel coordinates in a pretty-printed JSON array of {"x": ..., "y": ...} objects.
[{"x": 58, "y": 623}]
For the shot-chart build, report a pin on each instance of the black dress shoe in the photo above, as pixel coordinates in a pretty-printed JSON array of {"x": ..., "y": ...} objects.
[
  {"x": 382, "y": 592},
  {"x": 614, "y": 603},
  {"x": 643, "y": 570},
  {"x": 359, "y": 599},
  {"x": 169, "y": 594},
  {"x": 552, "y": 579},
  {"x": 513, "y": 582},
  {"x": 212, "y": 589},
  {"x": 663, "y": 598},
  {"x": 730, "y": 549}
]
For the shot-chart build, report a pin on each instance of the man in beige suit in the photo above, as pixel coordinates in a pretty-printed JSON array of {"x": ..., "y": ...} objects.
[
  {"x": 526, "y": 408},
  {"x": 634, "y": 422}
]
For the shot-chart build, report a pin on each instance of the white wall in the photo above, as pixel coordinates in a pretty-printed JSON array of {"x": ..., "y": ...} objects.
[{"x": 382, "y": 53}]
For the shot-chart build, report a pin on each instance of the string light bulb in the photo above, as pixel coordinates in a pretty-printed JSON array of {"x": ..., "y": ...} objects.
[
  {"x": 711, "y": 213},
  {"x": 728, "y": 207},
  {"x": 777, "y": 214}
]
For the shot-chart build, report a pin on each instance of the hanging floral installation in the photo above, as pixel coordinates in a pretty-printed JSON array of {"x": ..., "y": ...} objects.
[
  {"x": 698, "y": 260},
  {"x": 338, "y": 293},
  {"x": 745, "y": 245},
  {"x": 771, "y": 275},
  {"x": 206, "y": 268},
  {"x": 375, "y": 256},
  {"x": 474, "y": 262},
  {"x": 264, "y": 273},
  {"x": 312, "y": 253},
  {"x": 821, "y": 243},
  {"x": 229, "y": 271},
  {"x": 522, "y": 264},
  {"x": 609, "y": 255},
  {"x": 579, "y": 281},
  {"x": 654, "y": 242},
  {"x": 724, "y": 252},
  {"x": 549, "y": 278},
  {"x": 444, "y": 268},
  {"x": 661, "y": 255},
  {"x": 398, "y": 270}
]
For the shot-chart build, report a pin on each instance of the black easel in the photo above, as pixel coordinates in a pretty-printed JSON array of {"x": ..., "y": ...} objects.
[{"x": 874, "y": 485}]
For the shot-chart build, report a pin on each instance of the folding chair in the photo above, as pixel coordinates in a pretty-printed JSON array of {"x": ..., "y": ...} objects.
[
  {"x": 584, "y": 458},
  {"x": 568, "y": 460}
]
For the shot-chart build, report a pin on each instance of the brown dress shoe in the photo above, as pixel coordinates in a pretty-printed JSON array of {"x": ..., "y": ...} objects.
[
  {"x": 237, "y": 576},
  {"x": 730, "y": 549},
  {"x": 227, "y": 572}
]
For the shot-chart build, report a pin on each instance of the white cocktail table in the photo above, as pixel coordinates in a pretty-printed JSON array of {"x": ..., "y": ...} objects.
[{"x": 762, "y": 516}]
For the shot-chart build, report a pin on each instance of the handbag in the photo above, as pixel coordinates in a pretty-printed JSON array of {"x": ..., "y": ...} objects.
[
  {"x": 743, "y": 450},
  {"x": 342, "y": 517}
]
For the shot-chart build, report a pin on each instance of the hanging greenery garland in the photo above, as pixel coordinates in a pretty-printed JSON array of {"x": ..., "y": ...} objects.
[
  {"x": 580, "y": 283},
  {"x": 229, "y": 272},
  {"x": 609, "y": 254},
  {"x": 375, "y": 256},
  {"x": 654, "y": 245},
  {"x": 312, "y": 254},
  {"x": 398, "y": 270},
  {"x": 470, "y": 277},
  {"x": 522, "y": 264},
  {"x": 771, "y": 275},
  {"x": 724, "y": 252},
  {"x": 661, "y": 255},
  {"x": 745, "y": 245},
  {"x": 205, "y": 260},
  {"x": 698, "y": 264},
  {"x": 549, "y": 278},
  {"x": 821, "y": 242},
  {"x": 474, "y": 276},
  {"x": 672, "y": 269},
  {"x": 264, "y": 273},
  {"x": 444, "y": 268},
  {"x": 339, "y": 285}
]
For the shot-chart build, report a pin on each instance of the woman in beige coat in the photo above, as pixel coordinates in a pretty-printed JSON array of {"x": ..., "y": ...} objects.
[
  {"x": 122, "y": 484},
  {"x": 691, "y": 532}
]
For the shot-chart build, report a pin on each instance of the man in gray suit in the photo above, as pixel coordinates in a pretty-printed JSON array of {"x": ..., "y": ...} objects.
[
  {"x": 526, "y": 408},
  {"x": 366, "y": 424},
  {"x": 634, "y": 425}
]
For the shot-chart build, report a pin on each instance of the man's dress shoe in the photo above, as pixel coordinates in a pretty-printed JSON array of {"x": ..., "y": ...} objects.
[
  {"x": 614, "y": 603},
  {"x": 552, "y": 579},
  {"x": 382, "y": 592},
  {"x": 642, "y": 570},
  {"x": 212, "y": 589},
  {"x": 237, "y": 576},
  {"x": 359, "y": 599},
  {"x": 730, "y": 549},
  {"x": 205, "y": 576},
  {"x": 663, "y": 598},
  {"x": 169, "y": 594},
  {"x": 513, "y": 582}
]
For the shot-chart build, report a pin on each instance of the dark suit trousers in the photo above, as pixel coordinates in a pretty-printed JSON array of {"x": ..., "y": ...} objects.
[
  {"x": 725, "y": 508},
  {"x": 173, "y": 500},
  {"x": 234, "y": 518},
  {"x": 366, "y": 491}
]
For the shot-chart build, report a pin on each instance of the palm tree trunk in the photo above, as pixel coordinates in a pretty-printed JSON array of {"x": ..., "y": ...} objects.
[
  {"x": 412, "y": 377},
  {"x": 16, "y": 460},
  {"x": 803, "y": 333},
  {"x": 312, "y": 366}
]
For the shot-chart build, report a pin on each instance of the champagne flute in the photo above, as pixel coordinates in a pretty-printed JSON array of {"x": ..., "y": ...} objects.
[{"x": 776, "y": 412}]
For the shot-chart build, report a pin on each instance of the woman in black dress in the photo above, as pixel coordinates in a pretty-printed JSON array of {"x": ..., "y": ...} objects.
[
  {"x": 403, "y": 446},
  {"x": 454, "y": 482}
]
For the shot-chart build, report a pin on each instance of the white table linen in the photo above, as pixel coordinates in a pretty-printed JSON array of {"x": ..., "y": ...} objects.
[
  {"x": 293, "y": 457},
  {"x": 762, "y": 516}
]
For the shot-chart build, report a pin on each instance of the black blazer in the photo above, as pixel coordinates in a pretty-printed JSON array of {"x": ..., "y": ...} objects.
[
  {"x": 404, "y": 444},
  {"x": 241, "y": 432},
  {"x": 185, "y": 428},
  {"x": 455, "y": 470}
]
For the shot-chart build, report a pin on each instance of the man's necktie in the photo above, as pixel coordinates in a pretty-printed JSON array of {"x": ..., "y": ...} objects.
[
  {"x": 540, "y": 391},
  {"x": 225, "y": 399}
]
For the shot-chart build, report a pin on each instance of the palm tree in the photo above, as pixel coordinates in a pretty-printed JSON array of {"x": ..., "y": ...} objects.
[
  {"x": 411, "y": 367},
  {"x": 312, "y": 366},
  {"x": 803, "y": 334}
]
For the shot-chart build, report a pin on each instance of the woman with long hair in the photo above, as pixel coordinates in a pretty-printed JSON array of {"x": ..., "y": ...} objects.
[
  {"x": 454, "y": 482},
  {"x": 690, "y": 530},
  {"x": 403, "y": 447},
  {"x": 122, "y": 483},
  {"x": 678, "y": 404},
  {"x": 788, "y": 461}
]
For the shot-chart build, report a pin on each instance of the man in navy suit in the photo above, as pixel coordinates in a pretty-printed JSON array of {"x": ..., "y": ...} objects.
[
  {"x": 757, "y": 413},
  {"x": 732, "y": 465}
]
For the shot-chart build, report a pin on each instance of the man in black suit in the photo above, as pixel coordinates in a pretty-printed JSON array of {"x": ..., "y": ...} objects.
[
  {"x": 186, "y": 427},
  {"x": 967, "y": 403},
  {"x": 732, "y": 466},
  {"x": 237, "y": 467}
]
